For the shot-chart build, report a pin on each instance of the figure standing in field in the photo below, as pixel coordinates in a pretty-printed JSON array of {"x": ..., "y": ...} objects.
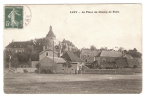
[{"x": 12, "y": 16}]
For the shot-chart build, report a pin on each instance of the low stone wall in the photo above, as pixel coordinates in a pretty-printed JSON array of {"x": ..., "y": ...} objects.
[
  {"x": 23, "y": 70},
  {"x": 33, "y": 64},
  {"x": 112, "y": 71}
]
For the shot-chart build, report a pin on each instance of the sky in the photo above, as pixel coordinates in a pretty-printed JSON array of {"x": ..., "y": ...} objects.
[{"x": 109, "y": 30}]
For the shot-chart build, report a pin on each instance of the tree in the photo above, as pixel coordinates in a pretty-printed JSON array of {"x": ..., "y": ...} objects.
[
  {"x": 29, "y": 50},
  {"x": 121, "y": 49},
  {"x": 93, "y": 48},
  {"x": 135, "y": 50},
  {"x": 38, "y": 65},
  {"x": 134, "y": 53},
  {"x": 63, "y": 49},
  {"x": 103, "y": 48},
  {"x": 14, "y": 62}
]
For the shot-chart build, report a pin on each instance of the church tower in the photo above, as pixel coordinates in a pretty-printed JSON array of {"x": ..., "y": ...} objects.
[{"x": 50, "y": 36}]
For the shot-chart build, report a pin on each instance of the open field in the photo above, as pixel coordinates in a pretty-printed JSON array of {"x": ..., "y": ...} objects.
[{"x": 31, "y": 83}]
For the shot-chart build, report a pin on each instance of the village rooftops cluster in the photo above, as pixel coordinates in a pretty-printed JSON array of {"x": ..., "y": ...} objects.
[{"x": 52, "y": 54}]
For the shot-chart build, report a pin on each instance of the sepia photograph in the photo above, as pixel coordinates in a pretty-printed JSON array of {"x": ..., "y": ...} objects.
[{"x": 72, "y": 49}]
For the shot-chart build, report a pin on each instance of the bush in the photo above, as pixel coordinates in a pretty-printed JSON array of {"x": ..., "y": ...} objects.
[
  {"x": 36, "y": 71},
  {"x": 25, "y": 71}
]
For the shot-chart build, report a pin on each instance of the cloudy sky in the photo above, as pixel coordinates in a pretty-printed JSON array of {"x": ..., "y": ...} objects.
[{"x": 110, "y": 30}]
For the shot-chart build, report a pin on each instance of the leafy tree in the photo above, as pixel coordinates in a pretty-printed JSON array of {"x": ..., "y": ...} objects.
[
  {"x": 135, "y": 50},
  {"x": 134, "y": 53},
  {"x": 93, "y": 48},
  {"x": 7, "y": 55},
  {"x": 14, "y": 61},
  {"x": 121, "y": 49},
  {"x": 38, "y": 65},
  {"x": 103, "y": 48}
]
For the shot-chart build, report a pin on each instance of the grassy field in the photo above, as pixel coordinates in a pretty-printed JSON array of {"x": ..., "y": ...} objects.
[{"x": 69, "y": 83}]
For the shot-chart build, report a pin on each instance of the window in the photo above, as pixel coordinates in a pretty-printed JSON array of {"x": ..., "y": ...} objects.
[
  {"x": 86, "y": 60},
  {"x": 62, "y": 69},
  {"x": 46, "y": 53},
  {"x": 72, "y": 69},
  {"x": 103, "y": 60}
]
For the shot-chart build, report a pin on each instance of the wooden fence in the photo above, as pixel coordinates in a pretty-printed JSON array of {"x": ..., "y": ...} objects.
[{"x": 128, "y": 71}]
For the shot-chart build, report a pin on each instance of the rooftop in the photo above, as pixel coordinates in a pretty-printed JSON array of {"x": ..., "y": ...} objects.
[
  {"x": 70, "y": 56},
  {"x": 111, "y": 54},
  {"x": 22, "y": 44},
  {"x": 57, "y": 59}
]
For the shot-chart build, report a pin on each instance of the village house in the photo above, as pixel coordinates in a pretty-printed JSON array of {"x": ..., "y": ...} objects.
[
  {"x": 69, "y": 63},
  {"x": 107, "y": 59},
  {"x": 20, "y": 46},
  {"x": 50, "y": 60},
  {"x": 121, "y": 63},
  {"x": 76, "y": 64},
  {"x": 88, "y": 56},
  {"x": 52, "y": 64},
  {"x": 49, "y": 49}
]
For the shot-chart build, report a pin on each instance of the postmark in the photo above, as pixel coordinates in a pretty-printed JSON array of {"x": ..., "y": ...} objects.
[
  {"x": 27, "y": 15},
  {"x": 13, "y": 17}
]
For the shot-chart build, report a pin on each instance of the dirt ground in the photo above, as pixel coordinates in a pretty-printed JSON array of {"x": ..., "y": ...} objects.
[{"x": 32, "y": 83}]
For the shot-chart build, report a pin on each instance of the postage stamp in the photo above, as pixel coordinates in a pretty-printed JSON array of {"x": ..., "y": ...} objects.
[{"x": 13, "y": 17}]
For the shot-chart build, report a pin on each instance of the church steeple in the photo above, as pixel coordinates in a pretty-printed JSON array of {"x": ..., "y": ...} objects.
[
  {"x": 50, "y": 33},
  {"x": 50, "y": 28}
]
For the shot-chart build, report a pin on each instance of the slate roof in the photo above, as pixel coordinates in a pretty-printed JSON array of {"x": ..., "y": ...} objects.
[
  {"x": 70, "y": 56},
  {"x": 17, "y": 44},
  {"x": 50, "y": 33},
  {"x": 111, "y": 54},
  {"x": 47, "y": 50},
  {"x": 57, "y": 59}
]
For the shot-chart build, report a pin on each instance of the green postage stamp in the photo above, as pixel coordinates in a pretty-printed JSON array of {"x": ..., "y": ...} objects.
[{"x": 13, "y": 17}]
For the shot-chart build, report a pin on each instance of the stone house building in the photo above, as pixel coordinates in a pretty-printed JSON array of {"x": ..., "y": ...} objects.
[
  {"x": 88, "y": 55},
  {"x": 107, "y": 59},
  {"x": 76, "y": 63}
]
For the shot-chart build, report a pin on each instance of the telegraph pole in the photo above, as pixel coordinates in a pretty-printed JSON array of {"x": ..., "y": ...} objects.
[
  {"x": 9, "y": 62},
  {"x": 53, "y": 58}
]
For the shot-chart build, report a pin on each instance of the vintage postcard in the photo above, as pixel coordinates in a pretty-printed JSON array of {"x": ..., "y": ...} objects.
[{"x": 72, "y": 49}]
